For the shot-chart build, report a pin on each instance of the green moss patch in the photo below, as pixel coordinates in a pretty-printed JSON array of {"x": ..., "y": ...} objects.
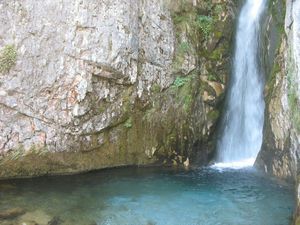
[
  {"x": 293, "y": 99},
  {"x": 8, "y": 57}
]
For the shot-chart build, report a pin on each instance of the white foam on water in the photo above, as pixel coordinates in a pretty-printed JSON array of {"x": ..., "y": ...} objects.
[{"x": 235, "y": 164}]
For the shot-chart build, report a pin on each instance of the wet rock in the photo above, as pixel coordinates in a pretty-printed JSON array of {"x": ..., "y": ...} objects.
[
  {"x": 151, "y": 223},
  {"x": 186, "y": 163},
  {"x": 174, "y": 162},
  {"x": 92, "y": 223},
  {"x": 7, "y": 187},
  {"x": 11, "y": 213}
]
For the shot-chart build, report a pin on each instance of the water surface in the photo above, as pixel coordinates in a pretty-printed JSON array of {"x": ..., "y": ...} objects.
[{"x": 149, "y": 196}]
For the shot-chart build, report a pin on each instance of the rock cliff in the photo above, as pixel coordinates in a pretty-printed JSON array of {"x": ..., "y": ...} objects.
[
  {"x": 279, "y": 155},
  {"x": 280, "y": 150},
  {"x": 93, "y": 84}
]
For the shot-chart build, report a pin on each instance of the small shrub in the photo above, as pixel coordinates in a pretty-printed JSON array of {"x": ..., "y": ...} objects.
[
  {"x": 205, "y": 23},
  {"x": 187, "y": 102},
  {"x": 211, "y": 77},
  {"x": 128, "y": 123},
  {"x": 177, "y": 19},
  {"x": 155, "y": 88},
  {"x": 219, "y": 9},
  {"x": 180, "y": 81},
  {"x": 8, "y": 57}
]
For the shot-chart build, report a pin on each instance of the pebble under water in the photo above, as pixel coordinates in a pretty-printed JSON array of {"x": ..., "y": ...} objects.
[{"x": 148, "y": 196}]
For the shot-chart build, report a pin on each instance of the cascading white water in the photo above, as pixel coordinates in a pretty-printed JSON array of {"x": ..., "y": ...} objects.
[{"x": 243, "y": 120}]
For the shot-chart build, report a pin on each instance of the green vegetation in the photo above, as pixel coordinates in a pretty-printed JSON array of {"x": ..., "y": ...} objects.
[
  {"x": 270, "y": 84},
  {"x": 180, "y": 81},
  {"x": 205, "y": 23},
  {"x": 128, "y": 123},
  {"x": 183, "y": 88},
  {"x": 155, "y": 88},
  {"x": 294, "y": 103},
  {"x": 193, "y": 22},
  {"x": 293, "y": 100},
  {"x": 277, "y": 9},
  {"x": 219, "y": 9},
  {"x": 184, "y": 47},
  {"x": 177, "y": 19},
  {"x": 8, "y": 57},
  {"x": 212, "y": 77},
  {"x": 187, "y": 102},
  {"x": 213, "y": 115},
  {"x": 294, "y": 107}
]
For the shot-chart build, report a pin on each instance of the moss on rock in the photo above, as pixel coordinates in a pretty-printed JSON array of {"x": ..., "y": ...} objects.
[{"x": 8, "y": 57}]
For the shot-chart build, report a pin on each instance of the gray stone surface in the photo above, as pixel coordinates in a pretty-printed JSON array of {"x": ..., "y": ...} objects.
[
  {"x": 281, "y": 148},
  {"x": 94, "y": 83},
  {"x": 72, "y": 51}
]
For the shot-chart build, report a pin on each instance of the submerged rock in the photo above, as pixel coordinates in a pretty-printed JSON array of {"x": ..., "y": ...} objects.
[
  {"x": 186, "y": 163},
  {"x": 39, "y": 217},
  {"x": 82, "y": 221},
  {"x": 11, "y": 213},
  {"x": 7, "y": 187},
  {"x": 55, "y": 221}
]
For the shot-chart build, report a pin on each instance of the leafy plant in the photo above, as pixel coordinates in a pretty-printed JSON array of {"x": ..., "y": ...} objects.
[
  {"x": 180, "y": 81},
  {"x": 177, "y": 18},
  {"x": 155, "y": 88},
  {"x": 128, "y": 123},
  {"x": 211, "y": 77},
  {"x": 219, "y": 9},
  {"x": 213, "y": 115},
  {"x": 205, "y": 23},
  {"x": 8, "y": 57}
]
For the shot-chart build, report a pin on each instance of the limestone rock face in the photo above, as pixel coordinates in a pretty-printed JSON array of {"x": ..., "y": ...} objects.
[
  {"x": 108, "y": 83},
  {"x": 72, "y": 56},
  {"x": 281, "y": 147},
  {"x": 280, "y": 151}
]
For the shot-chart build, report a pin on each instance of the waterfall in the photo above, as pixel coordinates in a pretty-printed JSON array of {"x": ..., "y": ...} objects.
[{"x": 244, "y": 111}]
